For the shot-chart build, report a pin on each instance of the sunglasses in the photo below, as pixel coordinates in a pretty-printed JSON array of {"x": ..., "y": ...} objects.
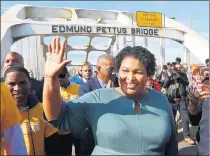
[{"x": 62, "y": 76}]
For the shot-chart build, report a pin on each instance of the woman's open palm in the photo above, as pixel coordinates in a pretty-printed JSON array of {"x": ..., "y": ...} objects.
[{"x": 55, "y": 63}]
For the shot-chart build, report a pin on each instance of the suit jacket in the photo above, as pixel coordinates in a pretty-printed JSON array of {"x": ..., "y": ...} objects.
[
  {"x": 116, "y": 83},
  {"x": 89, "y": 86},
  {"x": 37, "y": 88},
  {"x": 93, "y": 84}
]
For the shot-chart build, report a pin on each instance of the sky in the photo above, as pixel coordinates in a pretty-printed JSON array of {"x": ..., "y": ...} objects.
[{"x": 181, "y": 10}]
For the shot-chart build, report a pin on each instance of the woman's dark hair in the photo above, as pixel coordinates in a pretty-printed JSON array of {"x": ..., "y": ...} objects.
[
  {"x": 142, "y": 54},
  {"x": 16, "y": 69}
]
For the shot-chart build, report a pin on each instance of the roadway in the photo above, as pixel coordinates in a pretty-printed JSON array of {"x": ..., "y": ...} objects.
[{"x": 185, "y": 148}]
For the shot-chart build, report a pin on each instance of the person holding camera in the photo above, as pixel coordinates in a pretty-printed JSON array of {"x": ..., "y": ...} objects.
[
  {"x": 176, "y": 86},
  {"x": 163, "y": 74}
]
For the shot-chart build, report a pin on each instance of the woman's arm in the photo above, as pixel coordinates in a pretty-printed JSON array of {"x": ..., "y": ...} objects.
[
  {"x": 75, "y": 116},
  {"x": 194, "y": 112},
  {"x": 195, "y": 107},
  {"x": 52, "y": 101},
  {"x": 195, "y": 102},
  {"x": 14, "y": 143}
]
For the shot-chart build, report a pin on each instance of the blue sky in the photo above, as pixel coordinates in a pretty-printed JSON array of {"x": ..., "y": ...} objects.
[{"x": 199, "y": 10}]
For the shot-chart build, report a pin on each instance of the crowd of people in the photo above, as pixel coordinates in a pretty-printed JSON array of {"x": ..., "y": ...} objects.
[{"x": 124, "y": 107}]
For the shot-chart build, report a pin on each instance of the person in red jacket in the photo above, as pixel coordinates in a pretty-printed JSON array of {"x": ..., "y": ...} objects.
[{"x": 153, "y": 84}]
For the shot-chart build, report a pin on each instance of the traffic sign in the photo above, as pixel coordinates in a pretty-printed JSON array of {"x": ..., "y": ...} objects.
[{"x": 149, "y": 19}]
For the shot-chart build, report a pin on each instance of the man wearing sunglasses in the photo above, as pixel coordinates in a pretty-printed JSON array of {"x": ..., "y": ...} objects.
[
  {"x": 69, "y": 91},
  {"x": 105, "y": 78}
]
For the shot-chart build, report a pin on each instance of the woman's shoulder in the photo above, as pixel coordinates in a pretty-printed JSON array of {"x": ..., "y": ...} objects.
[
  {"x": 105, "y": 93},
  {"x": 159, "y": 100},
  {"x": 156, "y": 94},
  {"x": 106, "y": 90},
  {"x": 98, "y": 95}
]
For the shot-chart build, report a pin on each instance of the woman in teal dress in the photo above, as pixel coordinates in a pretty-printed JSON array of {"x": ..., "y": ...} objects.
[{"x": 128, "y": 120}]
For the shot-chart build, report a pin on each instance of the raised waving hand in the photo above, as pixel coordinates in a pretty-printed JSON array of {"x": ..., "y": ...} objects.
[{"x": 55, "y": 63}]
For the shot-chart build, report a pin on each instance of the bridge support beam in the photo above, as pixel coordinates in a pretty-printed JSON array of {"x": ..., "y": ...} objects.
[
  {"x": 6, "y": 43},
  {"x": 134, "y": 41},
  {"x": 117, "y": 43},
  {"x": 124, "y": 41},
  {"x": 187, "y": 57},
  {"x": 145, "y": 42},
  {"x": 162, "y": 52}
]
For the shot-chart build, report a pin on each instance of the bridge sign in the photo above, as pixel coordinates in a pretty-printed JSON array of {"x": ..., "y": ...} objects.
[
  {"x": 85, "y": 29},
  {"x": 148, "y": 19}
]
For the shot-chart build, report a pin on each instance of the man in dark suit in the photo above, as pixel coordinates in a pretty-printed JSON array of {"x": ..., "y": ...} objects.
[
  {"x": 36, "y": 86},
  {"x": 105, "y": 78}
]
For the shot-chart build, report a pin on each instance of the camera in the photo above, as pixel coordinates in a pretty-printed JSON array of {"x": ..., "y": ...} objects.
[
  {"x": 174, "y": 71},
  {"x": 171, "y": 100},
  {"x": 150, "y": 84}
]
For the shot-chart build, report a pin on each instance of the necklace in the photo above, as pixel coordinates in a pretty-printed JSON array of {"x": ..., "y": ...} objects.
[{"x": 137, "y": 107}]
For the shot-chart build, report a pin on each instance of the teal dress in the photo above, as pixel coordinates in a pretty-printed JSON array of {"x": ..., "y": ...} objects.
[{"x": 117, "y": 129}]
